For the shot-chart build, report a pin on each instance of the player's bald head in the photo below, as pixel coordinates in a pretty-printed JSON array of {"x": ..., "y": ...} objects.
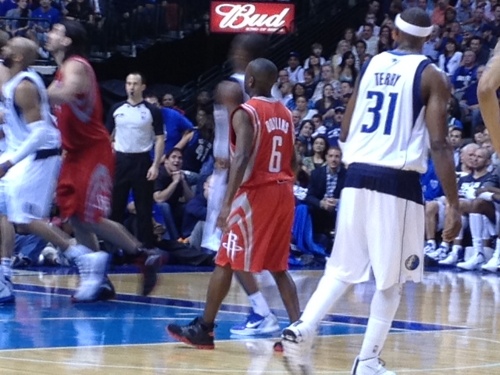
[
  {"x": 260, "y": 75},
  {"x": 25, "y": 47}
]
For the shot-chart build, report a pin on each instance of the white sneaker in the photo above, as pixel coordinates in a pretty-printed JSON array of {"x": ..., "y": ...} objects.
[
  {"x": 372, "y": 366},
  {"x": 493, "y": 263},
  {"x": 474, "y": 262},
  {"x": 257, "y": 325},
  {"x": 92, "y": 268},
  {"x": 6, "y": 291},
  {"x": 297, "y": 339},
  {"x": 450, "y": 260}
]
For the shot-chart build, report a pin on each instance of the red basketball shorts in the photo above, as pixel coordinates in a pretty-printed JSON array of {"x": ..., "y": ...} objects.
[
  {"x": 259, "y": 229},
  {"x": 85, "y": 184}
]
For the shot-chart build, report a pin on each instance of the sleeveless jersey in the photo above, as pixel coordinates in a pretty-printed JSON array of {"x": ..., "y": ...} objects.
[
  {"x": 273, "y": 143},
  {"x": 81, "y": 122},
  {"x": 16, "y": 128},
  {"x": 387, "y": 126},
  {"x": 221, "y": 118}
]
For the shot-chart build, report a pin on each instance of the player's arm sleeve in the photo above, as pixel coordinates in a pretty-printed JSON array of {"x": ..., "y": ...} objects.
[{"x": 37, "y": 137}]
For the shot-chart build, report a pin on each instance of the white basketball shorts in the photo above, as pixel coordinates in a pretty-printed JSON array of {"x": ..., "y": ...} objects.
[
  {"x": 380, "y": 228},
  {"x": 30, "y": 188}
]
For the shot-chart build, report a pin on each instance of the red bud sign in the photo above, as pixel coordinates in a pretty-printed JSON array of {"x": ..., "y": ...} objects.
[{"x": 238, "y": 17}]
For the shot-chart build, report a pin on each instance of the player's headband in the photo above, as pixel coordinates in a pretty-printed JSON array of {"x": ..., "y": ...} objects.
[{"x": 408, "y": 28}]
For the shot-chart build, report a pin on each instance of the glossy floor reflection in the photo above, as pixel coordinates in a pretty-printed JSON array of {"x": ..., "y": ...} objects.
[{"x": 447, "y": 325}]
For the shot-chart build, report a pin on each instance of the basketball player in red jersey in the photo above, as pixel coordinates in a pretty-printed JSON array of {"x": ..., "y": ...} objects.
[
  {"x": 258, "y": 207},
  {"x": 85, "y": 182}
]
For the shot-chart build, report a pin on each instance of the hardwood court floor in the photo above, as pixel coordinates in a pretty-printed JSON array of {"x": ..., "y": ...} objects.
[{"x": 449, "y": 324}]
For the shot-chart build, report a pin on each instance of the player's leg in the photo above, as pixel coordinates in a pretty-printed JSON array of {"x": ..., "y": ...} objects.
[
  {"x": 383, "y": 309},
  {"x": 116, "y": 234},
  {"x": 393, "y": 262},
  {"x": 348, "y": 265},
  {"x": 199, "y": 332},
  {"x": 288, "y": 292},
  {"x": 7, "y": 238}
]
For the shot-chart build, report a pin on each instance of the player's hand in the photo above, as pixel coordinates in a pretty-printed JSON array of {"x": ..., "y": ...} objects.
[
  {"x": 152, "y": 173},
  {"x": 222, "y": 219},
  {"x": 452, "y": 223}
]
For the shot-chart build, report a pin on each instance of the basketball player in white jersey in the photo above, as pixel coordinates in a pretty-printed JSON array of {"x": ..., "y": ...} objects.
[
  {"x": 31, "y": 164},
  {"x": 399, "y": 104},
  {"x": 488, "y": 103},
  {"x": 229, "y": 94},
  {"x": 487, "y": 95}
]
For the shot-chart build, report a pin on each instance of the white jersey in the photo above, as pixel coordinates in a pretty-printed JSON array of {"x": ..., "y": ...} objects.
[
  {"x": 387, "y": 127},
  {"x": 16, "y": 128},
  {"x": 221, "y": 119}
]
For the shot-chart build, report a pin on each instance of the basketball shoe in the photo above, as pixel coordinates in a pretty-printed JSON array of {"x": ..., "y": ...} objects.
[
  {"x": 257, "y": 325},
  {"x": 92, "y": 268},
  {"x": 297, "y": 339},
  {"x": 493, "y": 263},
  {"x": 372, "y": 366},
  {"x": 197, "y": 333},
  {"x": 473, "y": 263},
  {"x": 150, "y": 262},
  {"x": 106, "y": 290}
]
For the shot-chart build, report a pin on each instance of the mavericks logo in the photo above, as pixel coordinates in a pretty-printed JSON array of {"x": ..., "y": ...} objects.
[
  {"x": 231, "y": 245},
  {"x": 412, "y": 262}
]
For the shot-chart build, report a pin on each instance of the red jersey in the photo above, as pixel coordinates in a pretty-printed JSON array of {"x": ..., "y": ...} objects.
[
  {"x": 81, "y": 122},
  {"x": 273, "y": 143}
]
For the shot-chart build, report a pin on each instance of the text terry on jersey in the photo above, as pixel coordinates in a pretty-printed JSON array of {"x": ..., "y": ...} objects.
[{"x": 386, "y": 79}]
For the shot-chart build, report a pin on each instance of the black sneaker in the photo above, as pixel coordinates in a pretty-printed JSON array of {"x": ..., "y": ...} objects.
[
  {"x": 153, "y": 261},
  {"x": 196, "y": 333},
  {"x": 106, "y": 290}
]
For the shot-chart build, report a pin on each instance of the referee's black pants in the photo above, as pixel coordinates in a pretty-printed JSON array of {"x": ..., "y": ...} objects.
[{"x": 130, "y": 174}]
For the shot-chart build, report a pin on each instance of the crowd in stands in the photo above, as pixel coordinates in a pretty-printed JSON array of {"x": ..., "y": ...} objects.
[
  {"x": 316, "y": 88},
  {"x": 108, "y": 22}
]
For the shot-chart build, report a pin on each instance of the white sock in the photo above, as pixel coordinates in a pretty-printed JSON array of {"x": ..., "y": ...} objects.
[
  {"x": 327, "y": 293},
  {"x": 259, "y": 304},
  {"x": 383, "y": 308},
  {"x": 7, "y": 267},
  {"x": 456, "y": 248},
  {"x": 74, "y": 251},
  {"x": 476, "y": 231}
]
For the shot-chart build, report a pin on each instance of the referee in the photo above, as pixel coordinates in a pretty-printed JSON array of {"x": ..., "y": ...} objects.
[{"x": 136, "y": 126}]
